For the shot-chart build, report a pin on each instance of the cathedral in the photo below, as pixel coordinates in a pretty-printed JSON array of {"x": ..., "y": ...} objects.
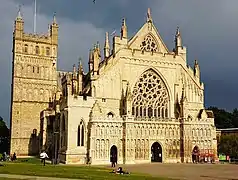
[{"x": 139, "y": 102}]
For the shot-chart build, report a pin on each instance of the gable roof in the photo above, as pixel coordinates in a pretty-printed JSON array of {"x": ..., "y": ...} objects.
[
  {"x": 96, "y": 109},
  {"x": 147, "y": 29}
]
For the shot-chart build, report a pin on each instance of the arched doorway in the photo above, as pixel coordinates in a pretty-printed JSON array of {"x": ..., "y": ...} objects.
[
  {"x": 195, "y": 154},
  {"x": 156, "y": 152},
  {"x": 113, "y": 154}
]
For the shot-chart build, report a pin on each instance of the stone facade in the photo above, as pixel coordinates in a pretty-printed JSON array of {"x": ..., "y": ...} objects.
[
  {"x": 141, "y": 102},
  {"x": 33, "y": 83}
]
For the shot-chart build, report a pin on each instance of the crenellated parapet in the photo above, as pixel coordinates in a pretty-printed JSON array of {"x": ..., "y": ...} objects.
[
  {"x": 50, "y": 38},
  {"x": 37, "y": 38}
]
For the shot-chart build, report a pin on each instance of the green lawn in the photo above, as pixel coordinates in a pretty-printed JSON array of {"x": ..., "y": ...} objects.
[{"x": 33, "y": 168}]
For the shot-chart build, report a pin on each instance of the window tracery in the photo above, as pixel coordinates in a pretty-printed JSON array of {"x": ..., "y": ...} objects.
[
  {"x": 149, "y": 44},
  {"x": 150, "y": 96}
]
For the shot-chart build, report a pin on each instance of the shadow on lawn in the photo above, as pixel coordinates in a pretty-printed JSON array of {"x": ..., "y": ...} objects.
[
  {"x": 27, "y": 161},
  {"x": 33, "y": 167}
]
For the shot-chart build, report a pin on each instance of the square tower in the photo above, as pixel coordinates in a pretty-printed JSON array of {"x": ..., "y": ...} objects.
[{"x": 34, "y": 80}]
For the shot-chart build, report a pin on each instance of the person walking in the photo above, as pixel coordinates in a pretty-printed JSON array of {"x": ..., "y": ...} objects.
[{"x": 43, "y": 156}]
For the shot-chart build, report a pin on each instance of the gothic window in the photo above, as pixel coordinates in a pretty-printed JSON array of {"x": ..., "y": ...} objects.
[
  {"x": 149, "y": 44},
  {"x": 37, "y": 50},
  {"x": 150, "y": 96},
  {"x": 47, "y": 51},
  {"x": 81, "y": 134},
  {"x": 25, "y": 49}
]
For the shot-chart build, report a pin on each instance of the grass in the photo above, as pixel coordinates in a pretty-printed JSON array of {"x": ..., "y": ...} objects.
[{"x": 32, "y": 167}]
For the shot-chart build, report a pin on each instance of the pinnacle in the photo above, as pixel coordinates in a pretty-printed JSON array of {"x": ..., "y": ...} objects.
[
  {"x": 19, "y": 15},
  {"x": 54, "y": 18},
  {"x": 149, "y": 16}
]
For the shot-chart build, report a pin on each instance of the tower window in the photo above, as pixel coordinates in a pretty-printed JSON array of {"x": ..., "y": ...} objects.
[
  {"x": 37, "y": 50},
  {"x": 38, "y": 70},
  {"x": 25, "y": 48},
  {"x": 47, "y": 51},
  {"x": 33, "y": 70}
]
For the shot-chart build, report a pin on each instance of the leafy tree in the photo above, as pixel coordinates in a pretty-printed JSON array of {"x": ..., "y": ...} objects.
[
  {"x": 229, "y": 145},
  {"x": 223, "y": 119},
  {"x": 235, "y": 118},
  {"x": 4, "y": 136}
]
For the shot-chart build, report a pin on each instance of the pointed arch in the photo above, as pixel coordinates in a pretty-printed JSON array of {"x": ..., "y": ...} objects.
[
  {"x": 151, "y": 96},
  {"x": 81, "y": 132}
]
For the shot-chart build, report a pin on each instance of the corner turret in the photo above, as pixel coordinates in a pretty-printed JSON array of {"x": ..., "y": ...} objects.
[
  {"x": 96, "y": 59},
  {"x": 179, "y": 48},
  {"x": 124, "y": 29},
  {"x": 54, "y": 31},
  {"x": 19, "y": 26},
  {"x": 122, "y": 41}
]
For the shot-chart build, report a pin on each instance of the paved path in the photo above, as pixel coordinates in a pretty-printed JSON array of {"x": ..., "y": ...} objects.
[
  {"x": 187, "y": 171},
  {"x": 10, "y": 176}
]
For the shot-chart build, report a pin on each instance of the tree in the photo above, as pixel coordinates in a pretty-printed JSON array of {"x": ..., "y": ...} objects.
[
  {"x": 223, "y": 119},
  {"x": 235, "y": 118},
  {"x": 4, "y": 136},
  {"x": 228, "y": 145}
]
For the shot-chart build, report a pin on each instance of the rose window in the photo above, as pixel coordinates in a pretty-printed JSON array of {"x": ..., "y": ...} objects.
[
  {"x": 149, "y": 44},
  {"x": 150, "y": 96}
]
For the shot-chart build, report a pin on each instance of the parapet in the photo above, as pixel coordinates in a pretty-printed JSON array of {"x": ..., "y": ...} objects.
[{"x": 39, "y": 38}]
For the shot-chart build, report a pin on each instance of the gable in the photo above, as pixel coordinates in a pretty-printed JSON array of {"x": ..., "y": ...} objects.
[
  {"x": 96, "y": 110},
  {"x": 148, "y": 39}
]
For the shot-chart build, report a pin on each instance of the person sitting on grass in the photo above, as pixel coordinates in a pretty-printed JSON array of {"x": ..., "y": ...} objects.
[
  {"x": 43, "y": 156},
  {"x": 120, "y": 171}
]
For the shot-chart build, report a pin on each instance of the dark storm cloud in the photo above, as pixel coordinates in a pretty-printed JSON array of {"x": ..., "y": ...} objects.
[{"x": 209, "y": 30}]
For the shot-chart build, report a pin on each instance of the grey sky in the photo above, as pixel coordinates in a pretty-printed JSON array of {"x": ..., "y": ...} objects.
[{"x": 209, "y": 30}]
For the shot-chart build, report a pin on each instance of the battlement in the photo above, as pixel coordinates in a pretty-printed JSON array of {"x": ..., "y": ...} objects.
[
  {"x": 48, "y": 38},
  {"x": 38, "y": 38}
]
